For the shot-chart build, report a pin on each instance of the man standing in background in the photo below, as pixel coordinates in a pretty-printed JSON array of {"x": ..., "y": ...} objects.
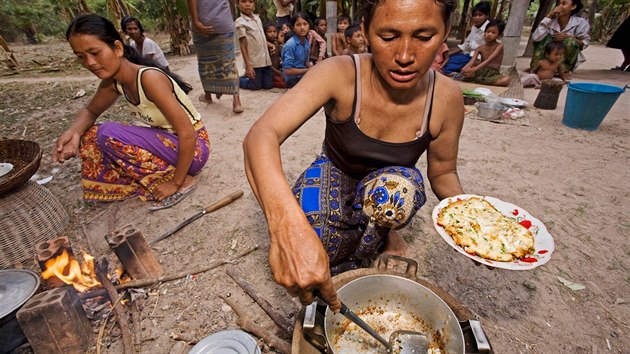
[{"x": 284, "y": 9}]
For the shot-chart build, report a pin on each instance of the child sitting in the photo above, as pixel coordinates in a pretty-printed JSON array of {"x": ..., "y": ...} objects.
[
  {"x": 258, "y": 73},
  {"x": 485, "y": 70},
  {"x": 441, "y": 58},
  {"x": 296, "y": 50},
  {"x": 355, "y": 40},
  {"x": 460, "y": 55},
  {"x": 548, "y": 67},
  {"x": 275, "y": 48},
  {"x": 317, "y": 38},
  {"x": 339, "y": 39}
]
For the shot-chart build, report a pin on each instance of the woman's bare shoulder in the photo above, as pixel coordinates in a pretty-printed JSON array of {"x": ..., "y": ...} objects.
[
  {"x": 447, "y": 90},
  {"x": 448, "y": 104}
]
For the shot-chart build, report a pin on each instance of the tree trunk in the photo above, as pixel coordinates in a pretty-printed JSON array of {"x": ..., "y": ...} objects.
[
  {"x": 543, "y": 10},
  {"x": 493, "y": 12},
  {"x": 463, "y": 22},
  {"x": 178, "y": 28},
  {"x": 514, "y": 30},
  {"x": 501, "y": 8}
]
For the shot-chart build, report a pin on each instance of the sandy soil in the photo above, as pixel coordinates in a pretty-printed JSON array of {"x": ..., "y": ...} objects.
[{"x": 574, "y": 181}]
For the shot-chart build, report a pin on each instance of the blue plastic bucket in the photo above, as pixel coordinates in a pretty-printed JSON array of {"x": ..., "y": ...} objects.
[{"x": 588, "y": 103}]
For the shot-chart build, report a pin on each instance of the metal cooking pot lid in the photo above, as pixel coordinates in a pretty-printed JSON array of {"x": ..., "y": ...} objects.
[
  {"x": 16, "y": 287},
  {"x": 227, "y": 342}
]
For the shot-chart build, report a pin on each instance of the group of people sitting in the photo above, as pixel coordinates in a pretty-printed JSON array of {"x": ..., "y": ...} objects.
[
  {"x": 558, "y": 43},
  {"x": 287, "y": 51}
]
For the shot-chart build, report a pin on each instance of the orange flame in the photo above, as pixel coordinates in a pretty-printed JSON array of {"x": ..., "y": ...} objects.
[{"x": 68, "y": 270}]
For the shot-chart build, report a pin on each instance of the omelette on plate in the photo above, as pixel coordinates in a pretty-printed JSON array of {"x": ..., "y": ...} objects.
[{"x": 480, "y": 229}]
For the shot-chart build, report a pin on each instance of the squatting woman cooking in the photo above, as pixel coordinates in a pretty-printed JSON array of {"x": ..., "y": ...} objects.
[
  {"x": 118, "y": 161},
  {"x": 383, "y": 111}
]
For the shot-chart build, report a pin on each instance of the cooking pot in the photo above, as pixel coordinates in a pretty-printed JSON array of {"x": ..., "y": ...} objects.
[
  {"x": 401, "y": 295},
  {"x": 489, "y": 110},
  {"x": 389, "y": 303}
]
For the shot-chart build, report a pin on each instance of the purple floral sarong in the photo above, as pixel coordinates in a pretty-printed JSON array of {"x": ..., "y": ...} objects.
[{"x": 120, "y": 161}]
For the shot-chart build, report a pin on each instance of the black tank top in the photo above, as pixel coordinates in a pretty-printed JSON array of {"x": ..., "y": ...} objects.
[{"x": 357, "y": 154}]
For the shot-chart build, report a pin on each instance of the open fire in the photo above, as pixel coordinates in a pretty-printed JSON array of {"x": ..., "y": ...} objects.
[{"x": 67, "y": 269}]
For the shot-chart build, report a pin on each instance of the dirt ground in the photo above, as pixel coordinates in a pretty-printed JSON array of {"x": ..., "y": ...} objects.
[{"x": 574, "y": 181}]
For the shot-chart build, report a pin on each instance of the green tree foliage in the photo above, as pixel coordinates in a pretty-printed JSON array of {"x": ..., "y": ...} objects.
[{"x": 22, "y": 19}]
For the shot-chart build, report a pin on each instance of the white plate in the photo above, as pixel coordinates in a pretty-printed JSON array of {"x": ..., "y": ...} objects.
[
  {"x": 543, "y": 241},
  {"x": 5, "y": 168},
  {"x": 514, "y": 102},
  {"x": 482, "y": 91}
]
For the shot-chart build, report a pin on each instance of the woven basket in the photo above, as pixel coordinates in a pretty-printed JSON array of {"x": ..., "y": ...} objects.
[
  {"x": 28, "y": 215},
  {"x": 25, "y": 156}
]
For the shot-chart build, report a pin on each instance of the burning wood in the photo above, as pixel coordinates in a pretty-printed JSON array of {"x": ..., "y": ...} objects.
[{"x": 59, "y": 266}]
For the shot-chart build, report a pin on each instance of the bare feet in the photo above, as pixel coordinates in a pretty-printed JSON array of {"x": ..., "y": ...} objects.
[
  {"x": 205, "y": 98},
  {"x": 188, "y": 182},
  {"x": 395, "y": 244},
  {"x": 236, "y": 104}
]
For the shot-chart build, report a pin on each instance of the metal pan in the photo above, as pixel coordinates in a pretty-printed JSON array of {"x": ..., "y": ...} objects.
[{"x": 389, "y": 302}]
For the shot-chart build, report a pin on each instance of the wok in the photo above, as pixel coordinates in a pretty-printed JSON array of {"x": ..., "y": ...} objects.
[{"x": 389, "y": 303}]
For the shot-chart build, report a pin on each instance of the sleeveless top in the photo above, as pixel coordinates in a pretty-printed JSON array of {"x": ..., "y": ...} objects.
[
  {"x": 357, "y": 154},
  {"x": 147, "y": 112}
]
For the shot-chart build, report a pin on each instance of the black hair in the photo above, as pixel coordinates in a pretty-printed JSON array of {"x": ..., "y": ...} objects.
[
  {"x": 484, "y": 7},
  {"x": 344, "y": 17},
  {"x": 351, "y": 30},
  {"x": 578, "y": 6},
  {"x": 125, "y": 20},
  {"x": 266, "y": 25},
  {"x": 500, "y": 24},
  {"x": 369, "y": 7},
  {"x": 554, "y": 45},
  {"x": 106, "y": 32},
  {"x": 302, "y": 15},
  {"x": 318, "y": 20}
]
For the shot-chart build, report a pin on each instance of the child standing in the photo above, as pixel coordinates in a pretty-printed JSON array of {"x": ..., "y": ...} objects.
[
  {"x": 251, "y": 37},
  {"x": 548, "y": 67},
  {"x": 355, "y": 40},
  {"x": 275, "y": 48},
  {"x": 317, "y": 38},
  {"x": 460, "y": 55},
  {"x": 132, "y": 27},
  {"x": 296, "y": 50},
  {"x": 485, "y": 71},
  {"x": 339, "y": 39}
]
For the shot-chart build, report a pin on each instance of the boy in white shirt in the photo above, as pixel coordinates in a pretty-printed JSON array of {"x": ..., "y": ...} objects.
[{"x": 460, "y": 55}]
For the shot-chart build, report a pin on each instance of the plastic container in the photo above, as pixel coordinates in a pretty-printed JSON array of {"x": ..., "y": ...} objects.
[{"x": 588, "y": 103}]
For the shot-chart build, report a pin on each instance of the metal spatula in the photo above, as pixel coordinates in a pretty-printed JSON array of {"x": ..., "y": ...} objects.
[{"x": 400, "y": 341}]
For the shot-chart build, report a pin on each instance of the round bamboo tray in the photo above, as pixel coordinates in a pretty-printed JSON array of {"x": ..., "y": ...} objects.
[{"x": 25, "y": 157}]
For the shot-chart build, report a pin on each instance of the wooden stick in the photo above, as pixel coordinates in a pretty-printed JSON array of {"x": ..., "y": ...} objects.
[
  {"x": 146, "y": 282},
  {"x": 137, "y": 328},
  {"x": 279, "y": 319},
  {"x": 183, "y": 337},
  {"x": 250, "y": 326},
  {"x": 119, "y": 311}
]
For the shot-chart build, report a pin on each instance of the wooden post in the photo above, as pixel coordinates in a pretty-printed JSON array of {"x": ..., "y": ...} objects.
[
  {"x": 543, "y": 10},
  {"x": 513, "y": 30},
  {"x": 463, "y": 22}
]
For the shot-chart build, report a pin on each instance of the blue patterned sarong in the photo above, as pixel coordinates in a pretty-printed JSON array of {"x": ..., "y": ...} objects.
[
  {"x": 216, "y": 62},
  {"x": 353, "y": 218}
]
